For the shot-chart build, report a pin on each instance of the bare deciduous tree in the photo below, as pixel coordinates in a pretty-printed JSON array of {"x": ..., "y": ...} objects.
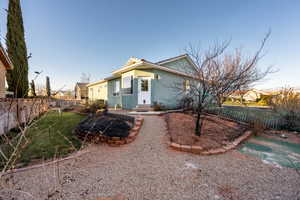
[
  {"x": 287, "y": 105},
  {"x": 217, "y": 75},
  {"x": 235, "y": 72},
  {"x": 85, "y": 78},
  {"x": 200, "y": 87}
]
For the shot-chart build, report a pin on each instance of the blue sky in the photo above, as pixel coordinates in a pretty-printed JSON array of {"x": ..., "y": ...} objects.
[{"x": 68, "y": 37}]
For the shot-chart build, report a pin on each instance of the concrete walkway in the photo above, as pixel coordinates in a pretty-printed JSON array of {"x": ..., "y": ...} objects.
[{"x": 148, "y": 169}]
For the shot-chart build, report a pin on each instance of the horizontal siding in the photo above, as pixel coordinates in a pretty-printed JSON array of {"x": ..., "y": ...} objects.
[{"x": 111, "y": 99}]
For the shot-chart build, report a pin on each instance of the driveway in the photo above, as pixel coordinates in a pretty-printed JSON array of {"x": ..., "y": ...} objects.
[{"x": 148, "y": 169}]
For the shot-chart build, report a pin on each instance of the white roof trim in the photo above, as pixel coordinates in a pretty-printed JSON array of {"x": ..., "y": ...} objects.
[
  {"x": 95, "y": 83},
  {"x": 172, "y": 59}
]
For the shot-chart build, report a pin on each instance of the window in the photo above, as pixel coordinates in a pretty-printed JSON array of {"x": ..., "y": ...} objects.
[
  {"x": 186, "y": 85},
  {"x": 92, "y": 93},
  {"x": 127, "y": 85},
  {"x": 116, "y": 88},
  {"x": 144, "y": 85}
]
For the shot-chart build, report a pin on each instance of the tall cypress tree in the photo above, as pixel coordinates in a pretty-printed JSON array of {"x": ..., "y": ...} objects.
[
  {"x": 48, "y": 89},
  {"x": 17, "y": 78},
  {"x": 32, "y": 88}
]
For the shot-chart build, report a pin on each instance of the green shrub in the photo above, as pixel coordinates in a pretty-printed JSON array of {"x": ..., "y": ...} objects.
[
  {"x": 158, "y": 106},
  {"x": 96, "y": 105}
]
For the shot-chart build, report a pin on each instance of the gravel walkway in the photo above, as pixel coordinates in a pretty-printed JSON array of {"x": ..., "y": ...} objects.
[{"x": 148, "y": 169}]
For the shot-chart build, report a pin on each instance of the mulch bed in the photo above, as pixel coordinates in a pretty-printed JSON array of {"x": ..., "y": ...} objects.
[
  {"x": 110, "y": 125},
  {"x": 216, "y": 132}
]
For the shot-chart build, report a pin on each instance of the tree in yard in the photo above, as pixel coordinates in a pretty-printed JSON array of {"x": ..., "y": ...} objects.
[
  {"x": 32, "y": 85},
  {"x": 85, "y": 78},
  {"x": 17, "y": 78},
  {"x": 48, "y": 89},
  {"x": 287, "y": 104},
  {"x": 234, "y": 73},
  {"x": 201, "y": 76},
  {"x": 216, "y": 75}
]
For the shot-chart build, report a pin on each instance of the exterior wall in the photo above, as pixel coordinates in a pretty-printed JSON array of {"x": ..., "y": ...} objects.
[
  {"x": 251, "y": 96},
  {"x": 99, "y": 91},
  {"x": 2, "y": 80},
  {"x": 130, "y": 101},
  {"x": 81, "y": 92},
  {"x": 77, "y": 92},
  {"x": 163, "y": 90},
  {"x": 111, "y": 99},
  {"x": 162, "y": 86},
  {"x": 181, "y": 65}
]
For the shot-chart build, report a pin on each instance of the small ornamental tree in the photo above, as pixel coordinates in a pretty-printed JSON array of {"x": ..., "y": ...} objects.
[{"x": 48, "y": 89}]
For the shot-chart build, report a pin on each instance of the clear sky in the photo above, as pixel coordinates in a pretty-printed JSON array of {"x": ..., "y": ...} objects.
[{"x": 68, "y": 37}]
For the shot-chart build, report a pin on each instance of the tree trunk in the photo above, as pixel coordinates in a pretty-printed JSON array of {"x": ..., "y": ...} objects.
[
  {"x": 219, "y": 100},
  {"x": 198, "y": 126}
]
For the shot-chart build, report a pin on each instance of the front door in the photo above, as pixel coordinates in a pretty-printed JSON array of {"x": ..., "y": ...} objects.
[{"x": 144, "y": 90}]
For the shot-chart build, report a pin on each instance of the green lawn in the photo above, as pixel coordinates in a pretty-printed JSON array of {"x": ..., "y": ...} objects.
[
  {"x": 51, "y": 137},
  {"x": 230, "y": 103}
]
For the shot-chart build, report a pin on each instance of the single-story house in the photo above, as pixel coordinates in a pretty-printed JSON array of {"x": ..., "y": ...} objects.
[
  {"x": 5, "y": 64},
  {"x": 81, "y": 92},
  {"x": 255, "y": 95},
  {"x": 141, "y": 83},
  {"x": 250, "y": 95}
]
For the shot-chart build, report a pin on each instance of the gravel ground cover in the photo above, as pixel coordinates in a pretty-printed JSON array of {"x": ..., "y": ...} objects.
[{"x": 148, "y": 169}]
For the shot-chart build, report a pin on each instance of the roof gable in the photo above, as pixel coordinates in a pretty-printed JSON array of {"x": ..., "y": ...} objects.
[{"x": 180, "y": 63}]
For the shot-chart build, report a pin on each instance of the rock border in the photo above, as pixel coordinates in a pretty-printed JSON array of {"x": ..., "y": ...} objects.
[
  {"x": 199, "y": 150},
  {"x": 118, "y": 141}
]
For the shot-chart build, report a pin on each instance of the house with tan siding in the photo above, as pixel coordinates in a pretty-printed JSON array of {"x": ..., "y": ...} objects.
[
  {"x": 5, "y": 64},
  {"x": 81, "y": 91}
]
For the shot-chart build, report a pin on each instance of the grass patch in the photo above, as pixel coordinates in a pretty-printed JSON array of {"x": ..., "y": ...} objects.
[{"x": 51, "y": 136}]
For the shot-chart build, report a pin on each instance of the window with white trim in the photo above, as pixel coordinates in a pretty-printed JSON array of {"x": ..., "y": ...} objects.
[
  {"x": 116, "y": 88},
  {"x": 186, "y": 85},
  {"x": 127, "y": 85}
]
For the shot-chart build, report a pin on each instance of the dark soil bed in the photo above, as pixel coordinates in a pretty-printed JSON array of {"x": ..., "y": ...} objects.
[
  {"x": 216, "y": 132},
  {"x": 111, "y": 125}
]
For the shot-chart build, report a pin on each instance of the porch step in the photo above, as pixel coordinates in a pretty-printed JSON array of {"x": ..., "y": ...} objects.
[{"x": 143, "y": 108}]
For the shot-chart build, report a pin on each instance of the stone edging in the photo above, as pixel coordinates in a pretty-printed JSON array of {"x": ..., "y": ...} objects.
[
  {"x": 201, "y": 151},
  {"x": 117, "y": 141}
]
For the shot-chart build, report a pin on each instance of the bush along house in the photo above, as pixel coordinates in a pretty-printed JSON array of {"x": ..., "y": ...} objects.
[{"x": 141, "y": 84}]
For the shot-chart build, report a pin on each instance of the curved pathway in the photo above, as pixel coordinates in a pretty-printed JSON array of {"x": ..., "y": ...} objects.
[{"x": 148, "y": 169}]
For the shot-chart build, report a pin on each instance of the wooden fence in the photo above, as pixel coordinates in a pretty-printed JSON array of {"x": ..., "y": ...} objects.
[{"x": 266, "y": 117}]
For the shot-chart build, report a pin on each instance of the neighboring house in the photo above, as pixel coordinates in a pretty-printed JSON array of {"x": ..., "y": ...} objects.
[
  {"x": 97, "y": 90},
  {"x": 5, "y": 64},
  {"x": 81, "y": 91},
  {"x": 254, "y": 95},
  {"x": 251, "y": 95},
  {"x": 66, "y": 95},
  {"x": 143, "y": 83}
]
